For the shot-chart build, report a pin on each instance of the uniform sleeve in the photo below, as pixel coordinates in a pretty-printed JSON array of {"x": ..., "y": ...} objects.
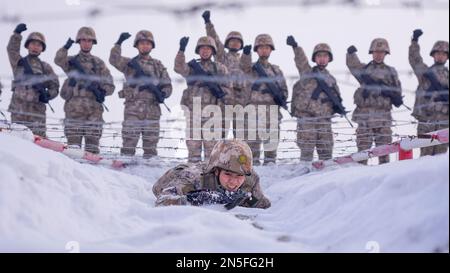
[
  {"x": 397, "y": 84},
  {"x": 165, "y": 81},
  {"x": 181, "y": 67},
  {"x": 171, "y": 188},
  {"x": 260, "y": 201},
  {"x": 53, "y": 82},
  {"x": 107, "y": 80},
  {"x": 246, "y": 63},
  {"x": 62, "y": 59},
  {"x": 355, "y": 65},
  {"x": 282, "y": 82},
  {"x": 116, "y": 59},
  {"x": 416, "y": 60},
  {"x": 13, "y": 49},
  {"x": 301, "y": 61},
  {"x": 211, "y": 32}
]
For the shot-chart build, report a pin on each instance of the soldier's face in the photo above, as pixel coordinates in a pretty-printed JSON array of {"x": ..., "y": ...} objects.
[
  {"x": 378, "y": 56},
  {"x": 35, "y": 48},
  {"x": 322, "y": 59},
  {"x": 144, "y": 47},
  {"x": 264, "y": 51},
  {"x": 231, "y": 181},
  {"x": 86, "y": 45},
  {"x": 205, "y": 52},
  {"x": 440, "y": 57},
  {"x": 234, "y": 44}
]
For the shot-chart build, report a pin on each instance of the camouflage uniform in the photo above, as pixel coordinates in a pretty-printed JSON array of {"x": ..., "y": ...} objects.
[
  {"x": 314, "y": 115},
  {"x": 231, "y": 59},
  {"x": 142, "y": 111},
  {"x": 84, "y": 115},
  {"x": 432, "y": 115},
  {"x": 198, "y": 90},
  {"x": 373, "y": 111},
  {"x": 258, "y": 97},
  {"x": 26, "y": 107},
  {"x": 230, "y": 155}
]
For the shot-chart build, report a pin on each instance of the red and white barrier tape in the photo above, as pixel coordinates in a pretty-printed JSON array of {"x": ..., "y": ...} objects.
[{"x": 435, "y": 138}]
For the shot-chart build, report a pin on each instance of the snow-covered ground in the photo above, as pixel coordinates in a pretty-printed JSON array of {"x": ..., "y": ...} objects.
[{"x": 49, "y": 202}]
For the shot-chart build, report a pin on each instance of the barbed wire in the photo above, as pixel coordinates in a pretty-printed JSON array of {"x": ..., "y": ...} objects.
[{"x": 184, "y": 9}]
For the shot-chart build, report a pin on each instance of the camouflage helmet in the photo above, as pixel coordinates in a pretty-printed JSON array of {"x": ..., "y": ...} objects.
[
  {"x": 441, "y": 46},
  {"x": 322, "y": 48},
  {"x": 379, "y": 44},
  {"x": 36, "y": 36},
  {"x": 206, "y": 41},
  {"x": 87, "y": 33},
  {"x": 234, "y": 35},
  {"x": 263, "y": 39},
  {"x": 231, "y": 155},
  {"x": 144, "y": 35}
]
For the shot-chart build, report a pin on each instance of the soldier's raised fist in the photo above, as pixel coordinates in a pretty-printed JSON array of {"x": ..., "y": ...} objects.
[
  {"x": 69, "y": 43},
  {"x": 124, "y": 36},
  {"x": 352, "y": 49},
  {"x": 416, "y": 34},
  {"x": 247, "y": 49},
  {"x": 206, "y": 16},
  {"x": 20, "y": 28},
  {"x": 291, "y": 41},
  {"x": 183, "y": 43}
]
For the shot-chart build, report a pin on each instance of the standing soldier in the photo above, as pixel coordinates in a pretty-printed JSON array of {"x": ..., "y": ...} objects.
[
  {"x": 35, "y": 83},
  {"x": 431, "y": 106},
  {"x": 380, "y": 89},
  {"x": 205, "y": 81},
  {"x": 84, "y": 92},
  {"x": 147, "y": 85},
  {"x": 231, "y": 59},
  {"x": 315, "y": 99},
  {"x": 228, "y": 178},
  {"x": 268, "y": 88}
]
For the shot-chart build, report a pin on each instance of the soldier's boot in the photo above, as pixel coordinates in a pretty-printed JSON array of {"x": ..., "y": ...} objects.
[
  {"x": 92, "y": 144},
  {"x": 38, "y": 127},
  {"x": 325, "y": 152},
  {"x": 440, "y": 149},
  {"x": 92, "y": 139},
  {"x": 150, "y": 138},
  {"x": 270, "y": 157},
  {"x": 306, "y": 152},
  {"x": 74, "y": 140},
  {"x": 129, "y": 144},
  {"x": 383, "y": 159},
  {"x": 194, "y": 150},
  {"x": 130, "y": 138}
]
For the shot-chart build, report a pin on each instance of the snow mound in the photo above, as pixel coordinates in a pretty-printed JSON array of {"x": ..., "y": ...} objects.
[{"x": 49, "y": 202}]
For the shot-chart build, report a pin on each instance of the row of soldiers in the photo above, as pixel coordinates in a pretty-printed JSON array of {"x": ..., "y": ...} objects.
[{"x": 316, "y": 96}]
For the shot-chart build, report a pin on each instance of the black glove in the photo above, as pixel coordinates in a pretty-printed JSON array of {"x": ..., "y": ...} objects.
[
  {"x": 352, "y": 49},
  {"x": 183, "y": 43},
  {"x": 20, "y": 28},
  {"x": 291, "y": 41},
  {"x": 98, "y": 92},
  {"x": 205, "y": 197},
  {"x": 206, "y": 16},
  {"x": 124, "y": 36},
  {"x": 44, "y": 96},
  {"x": 416, "y": 34},
  {"x": 69, "y": 43},
  {"x": 209, "y": 197},
  {"x": 396, "y": 99},
  {"x": 247, "y": 49}
]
